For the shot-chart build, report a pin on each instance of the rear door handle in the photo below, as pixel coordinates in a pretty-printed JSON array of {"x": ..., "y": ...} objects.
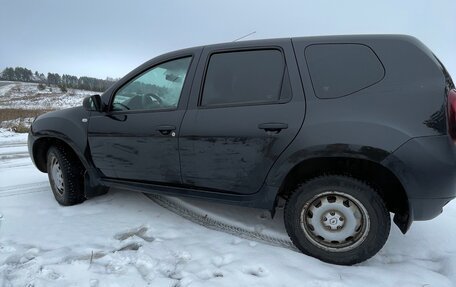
[
  {"x": 273, "y": 127},
  {"x": 120, "y": 118},
  {"x": 166, "y": 130}
]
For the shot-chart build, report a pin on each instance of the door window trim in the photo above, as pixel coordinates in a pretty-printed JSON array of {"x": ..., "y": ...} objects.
[
  {"x": 243, "y": 104},
  {"x": 142, "y": 72}
]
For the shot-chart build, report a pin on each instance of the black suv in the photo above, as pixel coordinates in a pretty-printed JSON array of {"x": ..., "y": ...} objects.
[{"x": 341, "y": 130}]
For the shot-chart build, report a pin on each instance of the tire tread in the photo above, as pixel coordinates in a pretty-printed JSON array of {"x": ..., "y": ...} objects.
[
  {"x": 354, "y": 257},
  {"x": 72, "y": 175}
]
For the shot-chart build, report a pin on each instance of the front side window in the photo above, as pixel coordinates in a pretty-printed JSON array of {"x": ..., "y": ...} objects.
[
  {"x": 158, "y": 88},
  {"x": 243, "y": 77}
]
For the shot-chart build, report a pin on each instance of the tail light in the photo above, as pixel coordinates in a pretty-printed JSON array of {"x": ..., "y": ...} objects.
[{"x": 451, "y": 101}]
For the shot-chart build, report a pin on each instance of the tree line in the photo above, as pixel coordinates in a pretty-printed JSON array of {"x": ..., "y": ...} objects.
[{"x": 64, "y": 81}]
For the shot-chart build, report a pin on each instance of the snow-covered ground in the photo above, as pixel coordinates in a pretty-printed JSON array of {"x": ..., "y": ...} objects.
[
  {"x": 125, "y": 239},
  {"x": 22, "y": 102},
  {"x": 27, "y": 96}
]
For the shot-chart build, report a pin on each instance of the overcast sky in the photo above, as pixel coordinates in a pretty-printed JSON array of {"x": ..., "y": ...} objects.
[{"x": 109, "y": 38}]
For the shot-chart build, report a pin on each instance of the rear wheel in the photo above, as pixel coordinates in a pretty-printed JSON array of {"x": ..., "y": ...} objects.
[
  {"x": 337, "y": 219},
  {"x": 65, "y": 174}
]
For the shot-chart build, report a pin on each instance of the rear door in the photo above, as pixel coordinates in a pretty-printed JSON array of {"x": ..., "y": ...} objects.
[
  {"x": 246, "y": 107},
  {"x": 136, "y": 139}
]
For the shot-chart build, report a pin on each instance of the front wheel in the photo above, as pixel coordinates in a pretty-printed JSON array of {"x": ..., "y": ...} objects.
[
  {"x": 65, "y": 176},
  {"x": 337, "y": 219}
]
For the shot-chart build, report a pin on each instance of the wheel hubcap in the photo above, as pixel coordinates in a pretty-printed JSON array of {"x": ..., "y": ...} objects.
[
  {"x": 335, "y": 221},
  {"x": 56, "y": 174}
]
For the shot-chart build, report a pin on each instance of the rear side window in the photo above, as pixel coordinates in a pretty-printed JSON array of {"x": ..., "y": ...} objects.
[
  {"x": 339, "y": 70},
  {"x": 244, "y": 77}
]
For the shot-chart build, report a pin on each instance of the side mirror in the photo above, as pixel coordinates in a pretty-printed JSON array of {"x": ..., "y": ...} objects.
[{"x": 92, "y": 103}]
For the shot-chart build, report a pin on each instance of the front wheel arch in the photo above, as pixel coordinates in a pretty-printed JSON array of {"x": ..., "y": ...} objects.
[
  {"x": 92, "y": 186},
  {"x": 41, "y": 147}
]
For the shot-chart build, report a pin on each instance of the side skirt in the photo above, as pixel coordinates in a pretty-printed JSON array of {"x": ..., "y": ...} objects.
[{"x": 263, "y": 199}]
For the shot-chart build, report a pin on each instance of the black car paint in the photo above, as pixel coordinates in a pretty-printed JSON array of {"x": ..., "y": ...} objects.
[
  {"x": 398, "y": 123},
  {"x": 65, "y": 125},
  {"x": 209, "y": 134},
  {"x": 122, "y": 140}
]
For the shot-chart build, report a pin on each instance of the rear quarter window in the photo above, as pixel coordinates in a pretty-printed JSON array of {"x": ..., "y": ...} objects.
[{"x": 338, "y": 70}]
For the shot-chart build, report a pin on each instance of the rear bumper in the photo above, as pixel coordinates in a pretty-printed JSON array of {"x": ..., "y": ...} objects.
[
  {"x": 426, "y": 167},
  {"x": 427, "y": 208}
]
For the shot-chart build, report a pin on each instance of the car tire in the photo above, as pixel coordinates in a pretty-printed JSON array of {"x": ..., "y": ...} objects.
[
  {"x": 65, "y": 174},
  {"x": 337, "y": 219}
]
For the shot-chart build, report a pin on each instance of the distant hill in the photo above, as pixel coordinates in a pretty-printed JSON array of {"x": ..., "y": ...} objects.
[
  {"x": 65, "y": 81},
  {"x": 21, "y": 102}
]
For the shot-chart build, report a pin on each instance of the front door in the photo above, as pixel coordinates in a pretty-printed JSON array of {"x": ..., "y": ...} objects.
[
  {"x": 137, "y": 138},
  {"x": 246, "y": 112}
]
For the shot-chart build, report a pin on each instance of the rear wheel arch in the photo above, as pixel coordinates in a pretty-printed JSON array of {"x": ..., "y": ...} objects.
[
  {"x": 376, "y": 175},
  {"x": 337, "y": 219}
]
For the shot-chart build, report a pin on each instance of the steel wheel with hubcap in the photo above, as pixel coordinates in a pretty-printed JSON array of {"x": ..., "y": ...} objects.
[
  {"x": 337, "y": 219},
  {"x": 56, "y": 175}
]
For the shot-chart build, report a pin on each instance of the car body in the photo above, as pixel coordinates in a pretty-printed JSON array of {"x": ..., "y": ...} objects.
[{"x": 374, "y": 107}]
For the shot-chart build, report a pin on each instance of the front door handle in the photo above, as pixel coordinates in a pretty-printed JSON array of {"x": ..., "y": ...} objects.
[
  {"x": 166, "y": 130},
  {"x": 273, "y": 127}
]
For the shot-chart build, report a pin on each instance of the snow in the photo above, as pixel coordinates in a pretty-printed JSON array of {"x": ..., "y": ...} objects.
[
  {"x": 27, "y": 96},
  {"x": 22, "y": 95},
  {"x": 125, "y": 239},
  {"x": 9, "y": 137}
]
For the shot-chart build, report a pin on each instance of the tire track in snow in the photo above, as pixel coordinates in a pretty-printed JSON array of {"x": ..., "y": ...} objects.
[
  {"x": 8, "y": 163},
  {"x": 13, "y": 144},
  {"x": 11, "y": 151},
  {"x": 13, "y": 155},
  {"x": 218, "y": 225},
  {"x": 21, "y": 189}
]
